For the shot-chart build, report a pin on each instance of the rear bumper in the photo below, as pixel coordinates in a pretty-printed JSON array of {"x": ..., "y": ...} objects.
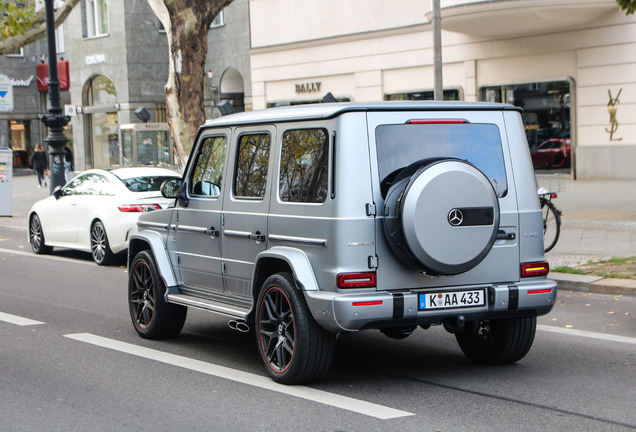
[{"x": 336, "y": 312}]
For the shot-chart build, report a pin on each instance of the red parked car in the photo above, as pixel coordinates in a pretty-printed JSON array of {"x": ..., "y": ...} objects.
[{"x": 553, "y": 153}]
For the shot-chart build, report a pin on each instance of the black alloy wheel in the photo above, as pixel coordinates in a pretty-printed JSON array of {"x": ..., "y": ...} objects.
[
  {"x": 152, "y": 317},
  {"x": 100, "y": 249},
  {"x": 36, "y": 236},
  {"x": 292, "y": 346}
]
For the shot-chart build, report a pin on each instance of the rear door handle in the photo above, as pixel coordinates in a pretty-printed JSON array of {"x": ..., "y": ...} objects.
[{"x": 503, "y": 235}]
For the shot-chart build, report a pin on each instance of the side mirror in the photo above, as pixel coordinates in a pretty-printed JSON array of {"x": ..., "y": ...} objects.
[
  {"x": 57, "y": 192},
  {"x": 171, "y": 188}
]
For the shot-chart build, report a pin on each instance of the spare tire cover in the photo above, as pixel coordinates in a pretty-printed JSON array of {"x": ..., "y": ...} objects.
[{"x": 443, "y": 218}]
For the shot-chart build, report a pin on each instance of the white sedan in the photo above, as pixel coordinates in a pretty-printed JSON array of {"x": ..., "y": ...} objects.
[{"x": 97, "y": 211}]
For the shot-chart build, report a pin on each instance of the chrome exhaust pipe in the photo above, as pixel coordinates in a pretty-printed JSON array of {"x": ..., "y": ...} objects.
[{"x": 239, "y": 326}]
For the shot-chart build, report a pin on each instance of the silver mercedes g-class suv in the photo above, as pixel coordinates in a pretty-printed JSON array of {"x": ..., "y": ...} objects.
[{"x": 303, "y": 222}]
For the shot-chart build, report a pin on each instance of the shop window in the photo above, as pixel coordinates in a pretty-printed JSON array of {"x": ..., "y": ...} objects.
[
  {"x": 18, "y": 135},
  {"x": 304, "y": 166},
  {"x": 250, "y": 177},
  {"x": 102, "y": 127},
  {"x": 96, "y": 18},
  {"x": 546, "y": 108},
  {"x": 449, "y": 95}
]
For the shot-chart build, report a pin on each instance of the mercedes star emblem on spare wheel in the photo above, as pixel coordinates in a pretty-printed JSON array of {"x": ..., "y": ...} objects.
[{"x": 455, "y": 217}]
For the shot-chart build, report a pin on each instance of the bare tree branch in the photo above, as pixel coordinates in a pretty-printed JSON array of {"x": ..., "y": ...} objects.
[{"x": 14, "y": 43}]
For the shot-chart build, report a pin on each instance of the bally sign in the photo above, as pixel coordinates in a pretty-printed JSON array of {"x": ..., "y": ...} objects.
[{"x": 310, "y": 87}]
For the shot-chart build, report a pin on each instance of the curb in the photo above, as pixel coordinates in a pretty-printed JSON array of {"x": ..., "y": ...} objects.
[{"x": 594, "y": 284}]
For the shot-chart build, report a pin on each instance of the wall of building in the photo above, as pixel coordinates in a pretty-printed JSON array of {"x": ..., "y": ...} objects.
[
  {"x": 355, "y": 62},
  {"x": 133, "y": 55},
  {"x": 228, "y": 48},
  {"x": 27, "y": 101}
]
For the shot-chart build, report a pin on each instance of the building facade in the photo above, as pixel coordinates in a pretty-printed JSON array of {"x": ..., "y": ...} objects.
[
  {"x": 21, "y": 129},
  {"x": 570, "y": 64},
  {"x": 118, "y": 55}
]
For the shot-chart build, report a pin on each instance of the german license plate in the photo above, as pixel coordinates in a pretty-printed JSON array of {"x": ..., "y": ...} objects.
[{"x": 452, "y": 299}]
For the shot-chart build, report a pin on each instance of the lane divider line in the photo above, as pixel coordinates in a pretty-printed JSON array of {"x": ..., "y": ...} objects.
[
  {"x": 18, "y": 320},
  {"x": 319, "y": 396},
  {"x": 48, "y": 257},
  {"x": 587, "y": 334}
]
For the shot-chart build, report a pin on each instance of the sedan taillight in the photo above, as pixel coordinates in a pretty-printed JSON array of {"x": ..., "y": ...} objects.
[{"x": 132, "y": 208}]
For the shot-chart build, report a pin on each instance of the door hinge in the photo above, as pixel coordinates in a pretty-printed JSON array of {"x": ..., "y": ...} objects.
[
  {"x": 373, "y": 262},
  {"x": 223, "y": 268},
  {"x": 371, "y": 210}
]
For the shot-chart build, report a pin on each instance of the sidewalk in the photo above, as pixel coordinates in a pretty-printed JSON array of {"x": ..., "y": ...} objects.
[{"x": 599, "y": 222}]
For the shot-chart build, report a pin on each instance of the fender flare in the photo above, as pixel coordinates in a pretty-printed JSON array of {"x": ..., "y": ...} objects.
[
  {"x": 297, "y": 261},
  {"x": 156, "y": 243}
]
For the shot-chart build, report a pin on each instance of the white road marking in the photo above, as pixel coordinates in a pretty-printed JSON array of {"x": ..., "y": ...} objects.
[
  {"x": 49, "y": 257},
  {"x": 18, "y": 320},
  {"x": 338, "y": 401},
  {"x": 587, "y": 334}
]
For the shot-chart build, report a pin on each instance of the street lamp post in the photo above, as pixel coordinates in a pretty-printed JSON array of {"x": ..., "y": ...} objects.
[
  {"x": 54, "y": 120},
  {"x": 438, "y": 89}
]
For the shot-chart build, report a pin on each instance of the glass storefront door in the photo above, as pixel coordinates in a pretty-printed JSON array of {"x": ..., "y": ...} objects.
[{"x": 546, "y": 117}]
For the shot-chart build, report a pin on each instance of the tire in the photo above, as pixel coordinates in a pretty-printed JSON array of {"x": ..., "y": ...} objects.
[
  {"x": 151, "y": 316},
  {"x": 100, "y": 248},
  {"x": 36, "y": 236},
  {"x": 440, "y": 232},
  {"x": 499, "y": 341},
  {"x": 551, "y": 224},
  {"x": 293, "y": 347}
]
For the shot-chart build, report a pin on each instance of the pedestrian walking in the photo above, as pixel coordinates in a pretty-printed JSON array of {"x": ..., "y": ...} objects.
[
  {"x": 40, "y": 163},
  {"x": 68, "y": 155}
]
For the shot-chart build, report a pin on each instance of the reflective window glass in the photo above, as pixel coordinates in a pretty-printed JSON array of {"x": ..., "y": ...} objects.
[
  {"x": 399, "y": 146},
  {"x": 207, "y": 175},
  {"x": 252, "y": 160},
  {"x": 304, "y": 166}
]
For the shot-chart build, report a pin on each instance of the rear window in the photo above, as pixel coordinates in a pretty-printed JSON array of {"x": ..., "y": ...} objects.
[
  {"x": 399, "y": 146},
  {"x": 146, "y": 183}
]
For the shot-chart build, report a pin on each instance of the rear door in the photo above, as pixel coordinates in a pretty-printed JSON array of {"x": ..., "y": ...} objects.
[
  {"x": 398, "y": 139},
  {"x": 245, "y": 211}
]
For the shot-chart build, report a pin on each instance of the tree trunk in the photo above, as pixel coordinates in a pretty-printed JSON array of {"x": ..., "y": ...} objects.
[{"x": 187, "y": 23}]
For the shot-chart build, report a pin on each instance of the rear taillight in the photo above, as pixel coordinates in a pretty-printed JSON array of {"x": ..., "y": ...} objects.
[
  {"x": 132, "y": 208},
  {"x": 533, "y": 269},
  {"x": 356, "y": 280}
]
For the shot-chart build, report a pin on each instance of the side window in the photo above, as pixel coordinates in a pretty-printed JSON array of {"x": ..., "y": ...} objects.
[
  {"x": 96, "y": 185},
  {"x": 89, "y": 184},
  {"x": 304, "y": 166},
  {"x": 73, "y": 188},
  {"x": 207, "y": 176},
  {"x": 252, "y": 159}
]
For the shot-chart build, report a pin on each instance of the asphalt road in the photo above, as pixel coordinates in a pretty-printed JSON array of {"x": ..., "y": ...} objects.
[{"x": 71, "y": 360}]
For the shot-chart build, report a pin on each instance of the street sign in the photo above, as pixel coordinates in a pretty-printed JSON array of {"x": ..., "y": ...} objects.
[{"x": 6, "y": 94}]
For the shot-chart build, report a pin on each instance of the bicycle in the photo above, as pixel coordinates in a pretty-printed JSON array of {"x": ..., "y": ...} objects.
[{"x": 551, "y": 219}]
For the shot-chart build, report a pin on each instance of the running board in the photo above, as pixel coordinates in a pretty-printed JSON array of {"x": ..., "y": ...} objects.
[{"x": 208, "y": 305}]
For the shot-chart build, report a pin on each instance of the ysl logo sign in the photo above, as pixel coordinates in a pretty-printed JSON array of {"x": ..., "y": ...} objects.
[{"x": 611, "y": 109}]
